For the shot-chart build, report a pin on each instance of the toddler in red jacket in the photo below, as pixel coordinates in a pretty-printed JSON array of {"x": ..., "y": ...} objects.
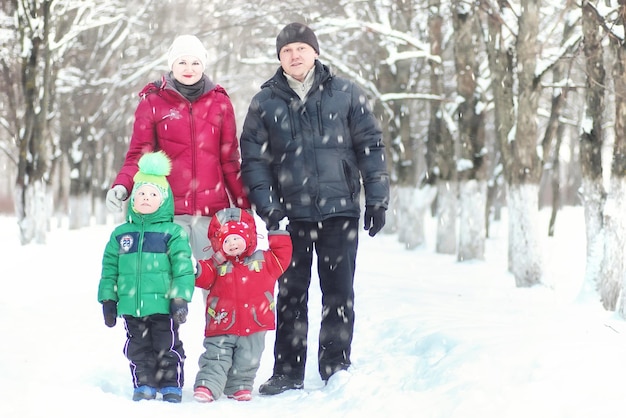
[{"x": 240, "y": 303}]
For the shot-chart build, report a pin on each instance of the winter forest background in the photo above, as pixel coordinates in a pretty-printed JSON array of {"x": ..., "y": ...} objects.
[{"x": 483, "y": 103}]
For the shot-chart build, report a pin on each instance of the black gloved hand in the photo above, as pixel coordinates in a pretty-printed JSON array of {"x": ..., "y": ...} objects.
[
  {"x": 272, "y": 220},
  {"x": 178, "y": 310},
  {"x": 374, "y": 219},
  {"x": 109, "y": 310}
]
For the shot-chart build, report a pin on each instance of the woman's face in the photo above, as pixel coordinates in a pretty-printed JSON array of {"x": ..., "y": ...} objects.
[{"x": 187, "y": 70}]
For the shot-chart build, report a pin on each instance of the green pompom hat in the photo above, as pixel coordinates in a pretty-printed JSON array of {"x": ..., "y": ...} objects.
[{"x": 154, "y": 167}]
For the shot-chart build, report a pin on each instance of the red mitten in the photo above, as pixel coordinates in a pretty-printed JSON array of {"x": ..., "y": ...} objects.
[{"x": 219, "y": 257}]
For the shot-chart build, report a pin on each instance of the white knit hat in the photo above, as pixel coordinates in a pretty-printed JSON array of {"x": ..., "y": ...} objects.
[{"x": 187, "y": 45}]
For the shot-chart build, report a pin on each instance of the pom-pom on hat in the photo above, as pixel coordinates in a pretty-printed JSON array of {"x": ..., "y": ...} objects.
[
  {"x": 296, "y": 32},
  {"x": 153, "y": 169},
  {"x": 187, "y": 45}
]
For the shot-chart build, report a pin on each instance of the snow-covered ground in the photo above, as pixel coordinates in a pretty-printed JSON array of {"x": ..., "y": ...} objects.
[{"x": 434, "y": 338}]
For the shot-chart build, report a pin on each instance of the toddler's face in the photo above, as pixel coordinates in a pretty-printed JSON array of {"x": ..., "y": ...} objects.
[
  {"x": 234, "y": 245},
  {"x": 147, "y": 199}
]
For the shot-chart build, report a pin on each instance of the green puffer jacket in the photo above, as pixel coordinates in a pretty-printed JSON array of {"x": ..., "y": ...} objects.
[{"x": 147, "y": 262}]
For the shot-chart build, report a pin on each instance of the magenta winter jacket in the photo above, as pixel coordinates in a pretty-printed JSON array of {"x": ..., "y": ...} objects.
[{"x": 201, "y": 140}]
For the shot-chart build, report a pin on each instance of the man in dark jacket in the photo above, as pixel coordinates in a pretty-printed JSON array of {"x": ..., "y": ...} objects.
[{"x": 309, "y": 143}]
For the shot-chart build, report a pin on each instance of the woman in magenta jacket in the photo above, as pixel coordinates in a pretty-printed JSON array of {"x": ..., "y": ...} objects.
[{"x": 192, "y": 120}]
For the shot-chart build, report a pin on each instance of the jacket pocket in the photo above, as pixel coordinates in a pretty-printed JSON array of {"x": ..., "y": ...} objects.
[
  {"x": 349, "y": 177},
  {"x": 217, "y": 318}
]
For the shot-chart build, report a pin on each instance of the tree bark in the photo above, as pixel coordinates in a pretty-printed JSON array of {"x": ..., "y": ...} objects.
[
  {"x": 32, "y": 197},
  {"x": 614, "y": 219},
  {"x": 524, "y": 233},
  {"x": 524, "y": 169},
  {"x": 471, "y": 162},
  {"x": 591, "y": 141},
  {"x": 501, "y": 65},
  {"x": 440, "y": 155}
]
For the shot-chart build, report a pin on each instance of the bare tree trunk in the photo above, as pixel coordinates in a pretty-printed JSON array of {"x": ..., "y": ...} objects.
[
  {"x": 471, "y": 163},
  {"x": 524, "y": 233},
  {"x": 555, "y": 130},
  {"x": 31, "y": 198},
  {"x": 440, "y": 154},
  {"x": 447, "y": 208},
  {"x": 549, "y": 137},
  {"x": 414, "y": 204},
  {"x": 555, "y": 178},
  {"x": 614, "y": 219},
  {"x": 398, "y": 78},
  {"x": 524, "y": 168},
  {"x": 613, "y": 266},
  {"x": 501, "y": 64},
  {"x": 591, "y": 140},
  {"x": 80, "y": 158},
  {"x": 472, "y": 196}
]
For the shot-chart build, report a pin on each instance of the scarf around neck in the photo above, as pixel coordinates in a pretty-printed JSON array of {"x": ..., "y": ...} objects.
[{"x": 192, "y": 92}]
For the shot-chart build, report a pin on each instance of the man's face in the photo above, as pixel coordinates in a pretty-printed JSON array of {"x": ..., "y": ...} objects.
[
  {"x": 147, "y": 199},
  {"x": 187, "y": 70},
  {"x": 297, "y": 58}
]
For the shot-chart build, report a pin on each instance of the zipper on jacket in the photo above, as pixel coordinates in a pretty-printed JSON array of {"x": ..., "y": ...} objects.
[
  {"x": 192, "y": 145},
  {"x": 348, "y": 173},
  {"x": 319, "y": 117},
  {"x": 193, "y": 187},
  {"x": 293, "y": 121},
  {"x": 139, "y": 269}
]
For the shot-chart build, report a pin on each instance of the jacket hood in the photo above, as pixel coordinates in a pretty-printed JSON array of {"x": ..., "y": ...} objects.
[
  {"x": 233, "y": 221},
  {"x": 165, "y": 213}
]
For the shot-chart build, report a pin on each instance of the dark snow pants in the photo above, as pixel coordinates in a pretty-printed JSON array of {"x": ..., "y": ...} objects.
[
  {"x": 155, "y": 351},
  {"x": 335, "y": 242}
]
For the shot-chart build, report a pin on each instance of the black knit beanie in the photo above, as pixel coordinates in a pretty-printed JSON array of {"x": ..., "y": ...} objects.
[{"x": 296, "y": 32}]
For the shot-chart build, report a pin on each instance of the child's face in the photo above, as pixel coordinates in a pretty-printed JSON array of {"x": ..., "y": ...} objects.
[
  {"x": 234, "y": 245},
  {"x": 147, "y": 199}
]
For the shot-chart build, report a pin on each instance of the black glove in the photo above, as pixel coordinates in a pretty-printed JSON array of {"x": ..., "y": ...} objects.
[
  {"x": 374, "y": 219},
  {"x": 109, "y": 310},
  {"x": 178, "y": 310},
  {"x": 272, "y": 220}
]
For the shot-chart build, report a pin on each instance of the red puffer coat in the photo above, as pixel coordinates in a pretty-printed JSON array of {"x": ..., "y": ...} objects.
[
  {"x": 241, "y": 290},
  {"x": 201, "y": 140}
]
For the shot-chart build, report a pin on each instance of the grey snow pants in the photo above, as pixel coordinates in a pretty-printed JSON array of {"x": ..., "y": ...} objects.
[{"x": 229, "y": 363}]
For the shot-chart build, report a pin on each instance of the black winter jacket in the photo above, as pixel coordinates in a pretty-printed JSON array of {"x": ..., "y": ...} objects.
[{"x": 307, "y": 159}]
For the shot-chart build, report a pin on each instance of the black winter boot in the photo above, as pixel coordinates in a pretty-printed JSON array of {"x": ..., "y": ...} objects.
[{"x": 279, "y": 384}]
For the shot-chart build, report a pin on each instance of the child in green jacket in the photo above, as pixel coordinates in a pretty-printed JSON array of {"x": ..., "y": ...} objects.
[{"x": 148, "y": 279}]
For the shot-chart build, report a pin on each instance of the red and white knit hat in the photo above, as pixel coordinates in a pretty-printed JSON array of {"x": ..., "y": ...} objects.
[{"x": 231, "y": 221}]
